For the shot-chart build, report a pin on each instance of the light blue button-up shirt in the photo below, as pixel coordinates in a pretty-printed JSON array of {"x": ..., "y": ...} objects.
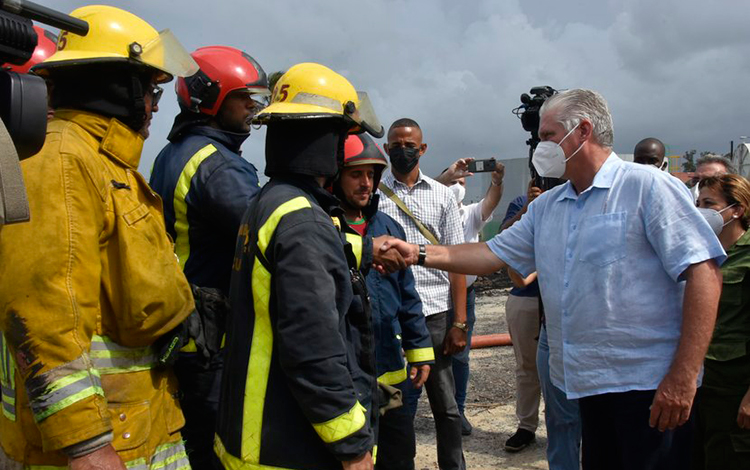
[{"x": 610, "y": 261}]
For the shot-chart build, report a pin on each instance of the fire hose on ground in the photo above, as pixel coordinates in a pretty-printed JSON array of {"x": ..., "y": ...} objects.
[{"x": 489, "y": 341}]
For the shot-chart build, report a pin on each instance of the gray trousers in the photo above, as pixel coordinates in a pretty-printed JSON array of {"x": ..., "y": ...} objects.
[
  {"x": 522, "y": 315},
  {"x": 441, "y": 393}
]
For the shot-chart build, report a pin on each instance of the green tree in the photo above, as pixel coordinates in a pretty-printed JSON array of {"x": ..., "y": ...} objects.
[{"x": 688, "y": 165}]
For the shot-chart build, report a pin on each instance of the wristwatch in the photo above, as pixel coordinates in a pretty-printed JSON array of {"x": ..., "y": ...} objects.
[
  {"x": 461, "y": 326},
  {"x": 422, "y": 255}
]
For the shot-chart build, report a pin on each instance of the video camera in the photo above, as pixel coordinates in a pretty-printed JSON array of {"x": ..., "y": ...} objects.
[
  {"x": 23, "y": 98},
  {"x": 528, "y": 113}
]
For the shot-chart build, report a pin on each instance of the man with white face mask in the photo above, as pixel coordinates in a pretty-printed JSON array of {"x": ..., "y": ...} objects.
[
  {"x": 474, "y": 217},
  {"x": 630, "y": 280}
]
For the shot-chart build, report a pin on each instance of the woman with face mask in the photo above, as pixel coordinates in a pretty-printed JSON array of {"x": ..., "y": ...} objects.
[{"x": 723, "y": 404}]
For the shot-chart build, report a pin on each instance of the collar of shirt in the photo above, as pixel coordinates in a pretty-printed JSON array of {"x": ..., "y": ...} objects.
[
  {"x": 231, "y": 140},
  {"x": 391, "y": 181},
  {"x": 603, "y": 179},
  {"x": 744, "y": 239}
]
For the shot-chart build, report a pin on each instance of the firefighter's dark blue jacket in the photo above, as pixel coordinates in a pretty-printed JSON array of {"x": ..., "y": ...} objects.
[
  {"x": 206, "y": 186},
  {"x": 397, "y": 315},
  {"x": 300, "y": 394}
]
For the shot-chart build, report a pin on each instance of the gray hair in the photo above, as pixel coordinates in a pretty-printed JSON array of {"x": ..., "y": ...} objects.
[
  {"x": 573, "y": 106},
  {"x": 714, "y": 158}
]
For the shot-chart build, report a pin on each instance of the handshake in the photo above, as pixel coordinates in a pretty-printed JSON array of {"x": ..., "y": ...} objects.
[{"x": 391, "y": 254}]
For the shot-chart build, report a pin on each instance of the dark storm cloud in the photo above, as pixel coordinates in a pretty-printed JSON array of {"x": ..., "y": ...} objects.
[{"x": 672, "y": 69}]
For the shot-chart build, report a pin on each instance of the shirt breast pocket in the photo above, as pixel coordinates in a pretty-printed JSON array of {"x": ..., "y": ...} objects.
[
  {"x": 732, "y": 289},
  {"x": 602, "y": 238}
]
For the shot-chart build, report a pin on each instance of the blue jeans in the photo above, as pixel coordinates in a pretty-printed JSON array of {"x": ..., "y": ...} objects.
[
  {"x": 461, "y": 360},
  {"x": 562, "y": 416}
]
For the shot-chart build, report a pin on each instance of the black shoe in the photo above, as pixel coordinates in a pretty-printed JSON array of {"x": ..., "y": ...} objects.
[
  {"x": 466, "y": 426},
  {"x": 519, "y": 441}
]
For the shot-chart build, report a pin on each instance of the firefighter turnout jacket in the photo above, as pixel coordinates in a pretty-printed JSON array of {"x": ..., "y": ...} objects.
[
  {"x": 299, "y": 342},
  {"x": 88, "y": 285},
  {"x": 206, "y": 186},
  {"x": 398, "y": 321}
]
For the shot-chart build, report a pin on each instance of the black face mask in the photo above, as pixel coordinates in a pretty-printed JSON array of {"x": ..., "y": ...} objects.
[{"x": 404, "y": 159}]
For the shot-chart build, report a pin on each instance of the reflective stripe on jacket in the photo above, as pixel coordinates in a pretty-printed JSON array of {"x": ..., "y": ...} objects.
[
  {"x": 303, "y": 372},
  {"x": 206, "y": 186},
  {"x": 89, "y": 284}
]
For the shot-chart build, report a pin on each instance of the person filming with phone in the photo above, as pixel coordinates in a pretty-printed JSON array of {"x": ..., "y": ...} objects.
[{"x": 474, "y": 217}]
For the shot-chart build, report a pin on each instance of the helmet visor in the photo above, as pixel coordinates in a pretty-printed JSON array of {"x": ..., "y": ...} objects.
[
  {"x": 165, "y": 53},
  {"x": 262, "y": 98},
  {"x": 365, "y": 116}
]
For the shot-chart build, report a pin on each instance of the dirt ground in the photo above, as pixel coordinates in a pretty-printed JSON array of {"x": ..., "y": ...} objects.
[{"x": 490, "y": 404}]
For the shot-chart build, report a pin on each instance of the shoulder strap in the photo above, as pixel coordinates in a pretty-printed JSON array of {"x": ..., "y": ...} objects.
[
  {"x": 14, "y": 206},
  {"x": 424, "y": 230}
]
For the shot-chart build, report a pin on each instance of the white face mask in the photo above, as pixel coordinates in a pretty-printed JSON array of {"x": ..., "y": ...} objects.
[
  {"x": 549, "y": 158},
  {"x": 714, "y": 218},
  {"x": 459, "y": 192}
]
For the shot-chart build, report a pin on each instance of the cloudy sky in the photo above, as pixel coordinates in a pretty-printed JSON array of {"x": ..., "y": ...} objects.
[{"x": 674, "y": 69}]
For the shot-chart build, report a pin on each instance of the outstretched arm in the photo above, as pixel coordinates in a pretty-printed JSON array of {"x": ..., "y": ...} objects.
[{"x": 468, "y": 258}]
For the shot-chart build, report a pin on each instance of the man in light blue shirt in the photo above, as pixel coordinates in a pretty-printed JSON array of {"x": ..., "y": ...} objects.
[{"x": 629, "y": 275}]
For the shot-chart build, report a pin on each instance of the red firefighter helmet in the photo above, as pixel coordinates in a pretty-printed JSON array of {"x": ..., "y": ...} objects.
[
  {"x": 223, "y": 70},
  {"x": 46, "y": 46},
  {"x": 360, "y": 149}
]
